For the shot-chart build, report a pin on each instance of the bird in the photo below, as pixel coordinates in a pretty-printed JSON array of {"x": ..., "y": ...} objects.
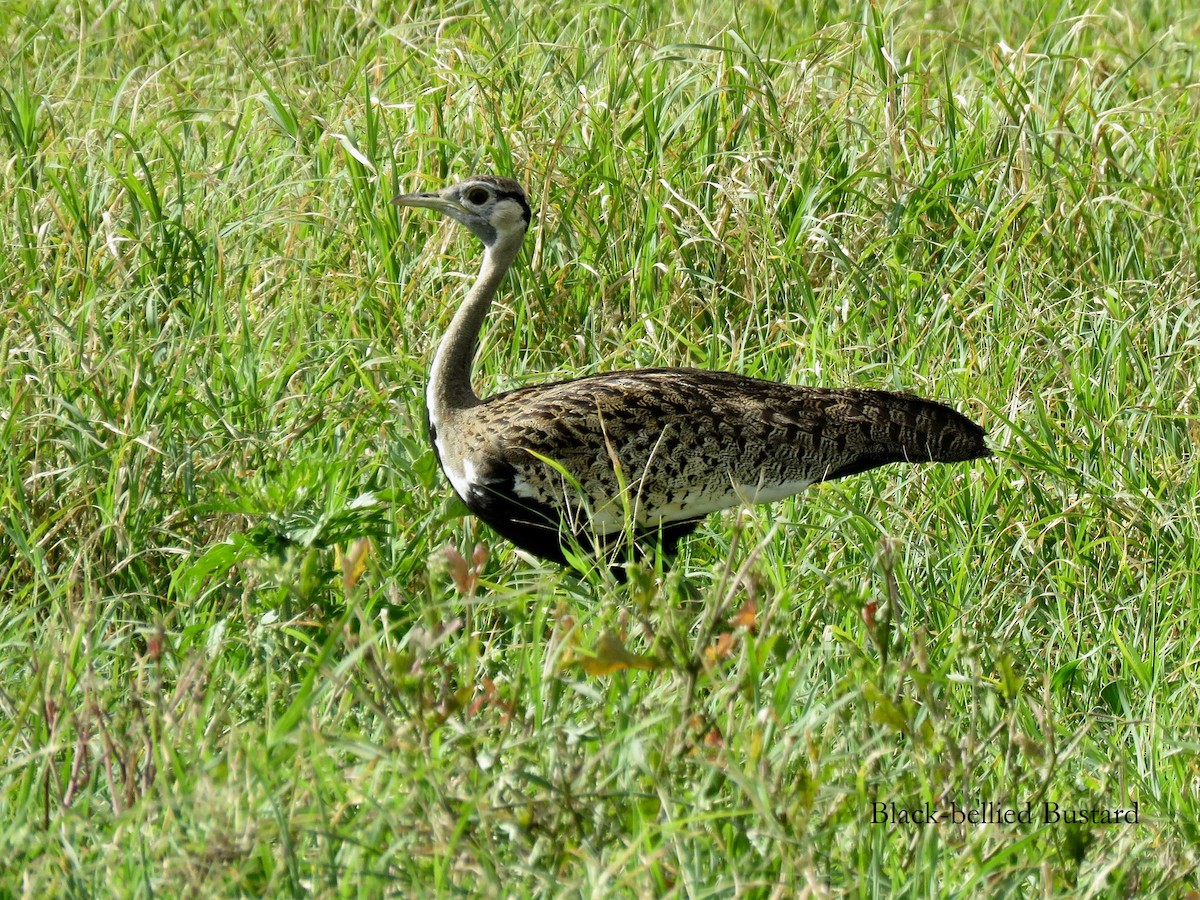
[{"x": 637, "y": 459}]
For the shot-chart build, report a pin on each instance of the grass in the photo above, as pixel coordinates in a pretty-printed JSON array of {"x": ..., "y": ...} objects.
[{"x": 237, "y": 656}]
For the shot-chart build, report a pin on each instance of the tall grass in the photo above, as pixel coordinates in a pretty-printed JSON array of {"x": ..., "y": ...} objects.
[{"x": 238, "y": 657}]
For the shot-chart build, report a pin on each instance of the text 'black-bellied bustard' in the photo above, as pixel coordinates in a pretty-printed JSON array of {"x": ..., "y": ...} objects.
[{"x": 646, "y": 453}]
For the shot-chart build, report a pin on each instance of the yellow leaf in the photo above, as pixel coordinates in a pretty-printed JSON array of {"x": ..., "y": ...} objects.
[
  {"x": 884, "y": 711},
  {"x": 354, "y": 562},
  {"x": 611, "y": 656},
  {"x": 747, "y": 616},
  {"x": 722, "y": 647}
]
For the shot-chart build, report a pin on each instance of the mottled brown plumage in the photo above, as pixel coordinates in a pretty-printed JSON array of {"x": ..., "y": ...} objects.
[{"x": 646, "y": 453}]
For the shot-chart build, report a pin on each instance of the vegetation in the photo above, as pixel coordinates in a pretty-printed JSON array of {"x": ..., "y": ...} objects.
[{"x": 252, "y": 646}]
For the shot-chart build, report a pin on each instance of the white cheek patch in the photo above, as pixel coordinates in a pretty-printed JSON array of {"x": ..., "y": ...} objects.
[{"x": 507, "y": 215}]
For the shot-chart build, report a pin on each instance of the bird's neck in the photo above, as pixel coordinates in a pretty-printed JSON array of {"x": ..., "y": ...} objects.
[{"x": 449, "y": 387}]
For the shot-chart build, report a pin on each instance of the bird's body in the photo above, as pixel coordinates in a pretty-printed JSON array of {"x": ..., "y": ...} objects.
[{"x": 643, "y": 454}]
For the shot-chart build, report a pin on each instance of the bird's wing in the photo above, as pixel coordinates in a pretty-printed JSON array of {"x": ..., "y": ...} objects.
[{"x": 668, "y": 445}]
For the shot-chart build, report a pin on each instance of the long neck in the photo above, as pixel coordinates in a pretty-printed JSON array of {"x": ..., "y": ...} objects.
[{"x": 450, "y": 377}]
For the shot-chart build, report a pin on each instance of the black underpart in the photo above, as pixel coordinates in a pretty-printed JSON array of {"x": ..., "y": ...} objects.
[
  {"x": 540, "y": 530},
  {"x": 533, "y": 527}
]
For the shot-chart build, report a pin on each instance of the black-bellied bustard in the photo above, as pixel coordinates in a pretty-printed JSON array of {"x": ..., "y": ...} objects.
[{"x": 645, "y": 453}]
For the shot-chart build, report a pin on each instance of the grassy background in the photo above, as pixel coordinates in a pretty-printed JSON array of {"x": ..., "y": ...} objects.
[{"x": 213, "y": 338}]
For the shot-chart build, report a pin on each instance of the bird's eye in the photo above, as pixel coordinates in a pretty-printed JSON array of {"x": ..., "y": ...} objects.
[{"x": 477, "y": 196}]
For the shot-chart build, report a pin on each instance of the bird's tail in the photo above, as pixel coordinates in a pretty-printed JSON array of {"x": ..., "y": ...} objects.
[{"x": 904, "y": 428}]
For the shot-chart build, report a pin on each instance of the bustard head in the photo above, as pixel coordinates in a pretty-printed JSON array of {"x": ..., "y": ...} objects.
[{"x": 495, "y": 209}]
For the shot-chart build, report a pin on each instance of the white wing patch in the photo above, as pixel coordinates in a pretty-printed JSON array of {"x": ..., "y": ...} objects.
[
  {"x": 693, "y": 505},
  {"x": 606, "y": 515}
]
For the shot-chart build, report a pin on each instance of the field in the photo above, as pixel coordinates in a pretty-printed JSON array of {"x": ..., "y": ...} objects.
[{"x": 253, "y": 646}]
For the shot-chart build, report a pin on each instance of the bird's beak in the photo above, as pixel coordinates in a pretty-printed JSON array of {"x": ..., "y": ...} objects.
[{"x": 428, "y": 200}]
